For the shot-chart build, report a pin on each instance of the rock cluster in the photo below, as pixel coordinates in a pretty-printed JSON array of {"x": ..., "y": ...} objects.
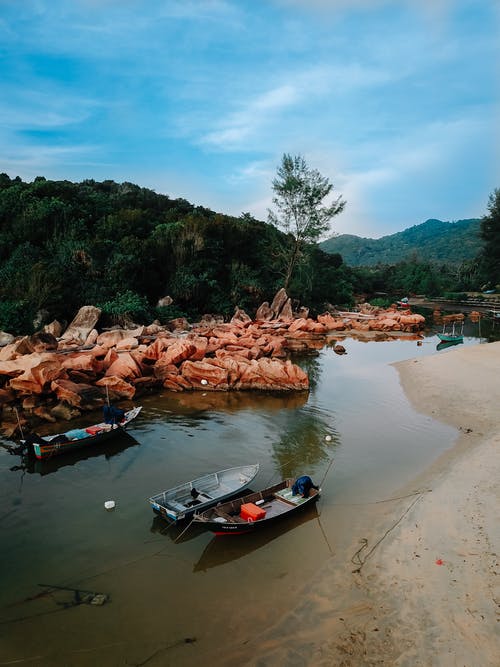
[{"x": 48, "y": 378}]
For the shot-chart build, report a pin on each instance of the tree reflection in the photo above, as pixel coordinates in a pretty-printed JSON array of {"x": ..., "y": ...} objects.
[{"x": 308, "y": 440}]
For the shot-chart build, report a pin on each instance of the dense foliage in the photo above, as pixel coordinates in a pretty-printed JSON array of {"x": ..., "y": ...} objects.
[
  {"x": 123, "y": 247},
  {"x": 433, "y": 240},
  {"x": 490, "y": 233}
]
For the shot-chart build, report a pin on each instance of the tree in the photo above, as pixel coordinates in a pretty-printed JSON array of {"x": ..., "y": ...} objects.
[
  {"x": 490, "y": 233},
  {"x": 299, "y": 195}
]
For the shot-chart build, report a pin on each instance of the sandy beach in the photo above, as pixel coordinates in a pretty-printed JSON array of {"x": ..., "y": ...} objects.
[{"x": 423, "y": 586}]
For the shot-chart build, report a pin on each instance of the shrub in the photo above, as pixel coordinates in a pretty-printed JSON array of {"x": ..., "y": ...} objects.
[
  {"x": 127, "y": 307},
  {"x": 16, "y": 317}
]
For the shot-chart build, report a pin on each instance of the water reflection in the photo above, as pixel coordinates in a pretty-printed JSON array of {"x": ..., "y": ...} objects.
[
  {"x": 194, "y": 408},
  {"x": 224, "y": 549},
  {"x": 181, "y": 532},
  {"x": 117, "y": 445},
  {"x": 308, "y": 439}
]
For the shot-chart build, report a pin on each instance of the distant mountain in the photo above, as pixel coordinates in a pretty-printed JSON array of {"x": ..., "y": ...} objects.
[{"x": 433, "y": 240}]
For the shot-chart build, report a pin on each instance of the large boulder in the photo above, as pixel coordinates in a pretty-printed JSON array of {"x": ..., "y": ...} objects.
[
  {"x": 279, "y": 301},
  {"x": 125, "y": 367},
  {"x": 37, "y": 378},
  {"x": 205, "y": 374},
  {"x": 83, "y": 323},
  {"x": 264, "y": 312},
  {"x": 116, "y": 388},
  {"x": 80, "y": 395}
]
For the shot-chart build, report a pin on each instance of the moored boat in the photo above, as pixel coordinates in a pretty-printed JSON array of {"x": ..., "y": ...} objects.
[
  {"x": 182, "y": 501},
  {"x": 60, "y": 443},
  {"x": 255, "y": 510},
  {"x": 451, "y": 336}
]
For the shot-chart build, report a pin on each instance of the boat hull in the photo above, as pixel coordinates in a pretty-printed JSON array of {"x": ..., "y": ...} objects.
[
  {"x": 450, "y": 338},
  {"x": 177, "y": 504},
  {"x": 277, "y": 502},
  {"x": 101, "y": 433}
]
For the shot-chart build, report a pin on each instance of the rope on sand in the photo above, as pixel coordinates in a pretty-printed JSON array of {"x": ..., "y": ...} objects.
[{"x": 357, "y": 560}]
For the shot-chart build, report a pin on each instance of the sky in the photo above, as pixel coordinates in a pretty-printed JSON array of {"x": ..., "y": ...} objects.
[{"x": 396, "y": 102}]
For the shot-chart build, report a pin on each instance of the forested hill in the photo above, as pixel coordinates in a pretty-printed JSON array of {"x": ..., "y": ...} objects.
[
  {"x": 123, "y": 248},
  {"x": 433, "y": 240}
]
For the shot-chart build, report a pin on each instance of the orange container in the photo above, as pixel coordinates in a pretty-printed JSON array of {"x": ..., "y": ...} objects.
[{"x": 250, "y": 512}]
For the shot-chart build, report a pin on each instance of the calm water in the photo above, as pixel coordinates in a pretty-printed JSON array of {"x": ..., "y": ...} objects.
[{"x": 174, "y": 596}]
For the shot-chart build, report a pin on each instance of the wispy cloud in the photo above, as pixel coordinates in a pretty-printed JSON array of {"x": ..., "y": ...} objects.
[
  {"x": 391, "y": 99},
  {"x": 239, "y": 127}
]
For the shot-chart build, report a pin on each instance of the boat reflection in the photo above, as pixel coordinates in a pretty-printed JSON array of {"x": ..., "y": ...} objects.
[
  {"x": 222, "y": 550},
  {"x": 32, "y": 465},
  {"x": 180, "y": 532},
  {"x": 448, "y": 343}
]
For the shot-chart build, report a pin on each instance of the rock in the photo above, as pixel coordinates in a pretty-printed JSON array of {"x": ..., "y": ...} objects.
[
  {"x": 125, "y": 367},
  {"x": 209, "y": 320},
  {"x": 164, "y": 302},
  {"x": 112, "y": 338},
  {"x": 179, "y": 324},
  {"x": 302, "y": 312},
  {"x": 6, "y": 338},
  {"x": 279, "y": 301},
  {"x": 240, "y": 316},
  {"x": 286, "y": 313},
  {"x": 37, "y": 378},
  {"x": 83, "y": 323},
  {"x": 42, "y": 342},
  {"x": 116, "y": 388},
  {"x": 264, "y": 312},
  {"x": 180, "y": 350},
  {"x": 83, "y": 396},
  {"x": 55, "y": 328},
  {"x": 91, "y": 339},
  {"x": 205, "y": 374}
]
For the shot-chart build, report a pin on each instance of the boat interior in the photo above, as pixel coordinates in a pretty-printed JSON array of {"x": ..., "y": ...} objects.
[{"x": 275, "y": 500}]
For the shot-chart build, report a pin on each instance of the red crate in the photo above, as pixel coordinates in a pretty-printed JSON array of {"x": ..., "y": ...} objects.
[{"x": 250, "y": 512}]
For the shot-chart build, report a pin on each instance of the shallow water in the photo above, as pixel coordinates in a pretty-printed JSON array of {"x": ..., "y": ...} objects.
[{"x": 177, "y": 597}]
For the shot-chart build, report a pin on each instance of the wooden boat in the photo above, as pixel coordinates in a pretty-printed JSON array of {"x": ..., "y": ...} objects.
[
  {"x": 451, "y": 336},
  {"x": 60, "y": 443},
  {"x": 253, "y": 511},
  {"x": 181, "y": 502}
]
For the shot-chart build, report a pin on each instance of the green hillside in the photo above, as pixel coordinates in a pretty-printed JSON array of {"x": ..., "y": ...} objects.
[{"x": 433, "y": 240}]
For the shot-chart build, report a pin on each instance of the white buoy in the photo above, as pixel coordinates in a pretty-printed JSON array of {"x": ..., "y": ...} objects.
[
  {"x": 204, "y": 381},
  {"x": 110, "y": 504},
  {"x": 328, "y": 438}
]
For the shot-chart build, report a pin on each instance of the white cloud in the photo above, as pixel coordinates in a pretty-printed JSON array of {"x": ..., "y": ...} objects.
[{"x": 240, "y": 126}]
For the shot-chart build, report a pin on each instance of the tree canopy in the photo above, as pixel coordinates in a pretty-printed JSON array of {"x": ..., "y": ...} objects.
[
  {"x": 299, "y": 194},
  {"x": 122, "y": 248},
  {"x": 490, "y": 233}
]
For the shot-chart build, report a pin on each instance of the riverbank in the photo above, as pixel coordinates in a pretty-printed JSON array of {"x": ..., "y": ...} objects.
[{"x": 422, "y": 588}]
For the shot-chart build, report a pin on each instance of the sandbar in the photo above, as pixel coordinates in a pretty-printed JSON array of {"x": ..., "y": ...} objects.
[{"x": 423, "y": 590}]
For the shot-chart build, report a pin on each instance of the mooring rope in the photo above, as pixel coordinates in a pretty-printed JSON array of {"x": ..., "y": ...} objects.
[{"x": 364, "y": 542}]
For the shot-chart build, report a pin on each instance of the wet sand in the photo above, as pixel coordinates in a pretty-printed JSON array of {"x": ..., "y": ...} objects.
[{"x": 422, "y": 587}]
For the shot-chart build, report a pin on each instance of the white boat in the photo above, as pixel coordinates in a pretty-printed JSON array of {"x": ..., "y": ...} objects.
[{"x": 182, "y": 501}]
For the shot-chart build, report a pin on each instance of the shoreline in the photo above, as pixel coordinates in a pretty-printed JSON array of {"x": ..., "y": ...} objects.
[{"x": 426, "y": 589}]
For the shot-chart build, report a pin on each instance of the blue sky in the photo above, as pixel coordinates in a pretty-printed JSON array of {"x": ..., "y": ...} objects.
[{"x": 395, "y": 101}]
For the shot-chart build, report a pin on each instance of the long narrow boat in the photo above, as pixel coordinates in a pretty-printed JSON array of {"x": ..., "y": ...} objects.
[
  {"x": 256, "y": 510},
  {"x": 451, "y": 336},
  {"x": 60, "y": 443},
  {"x": 181, "y": 502}
]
